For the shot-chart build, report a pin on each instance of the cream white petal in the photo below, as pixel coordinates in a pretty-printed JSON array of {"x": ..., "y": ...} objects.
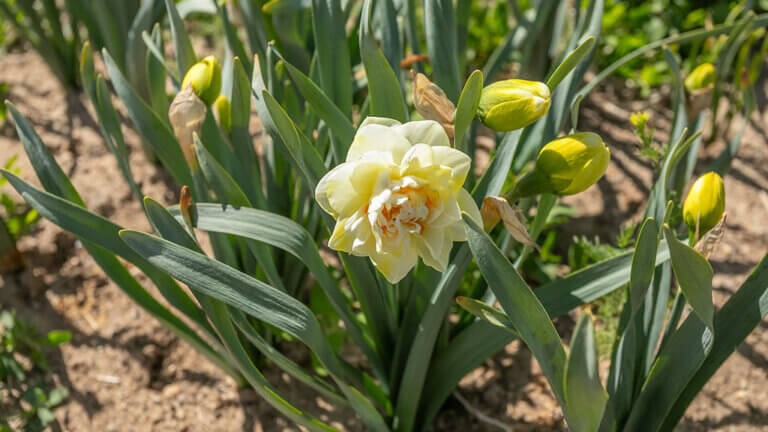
[
  {"x": 434, "y": 248},
  {"x": 419, "y": 156},
  {"x": 378, "y": 138},
  {"x": 383, "y": 121},
  {"x": 427, "y": 132},
  {"x": 335, "y": 193},
  {"x": 458, "y": 161},
  {"x": 450, "y": 214},
  {"x": 395, "y": 268}
]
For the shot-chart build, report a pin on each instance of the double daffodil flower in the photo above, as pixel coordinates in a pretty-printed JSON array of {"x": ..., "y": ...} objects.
[{"x": 398, "y": 196}]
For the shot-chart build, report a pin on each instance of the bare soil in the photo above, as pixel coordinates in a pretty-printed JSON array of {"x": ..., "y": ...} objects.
[{"x": 126, "y": 372}]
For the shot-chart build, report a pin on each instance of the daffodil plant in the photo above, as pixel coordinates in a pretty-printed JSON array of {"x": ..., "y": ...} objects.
[{"x": 391, "y": 187}]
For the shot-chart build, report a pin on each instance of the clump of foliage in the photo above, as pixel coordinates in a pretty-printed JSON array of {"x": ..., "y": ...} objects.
[
  {"x": 15, "y": 221},
  {"x": 26, "y": 399}
]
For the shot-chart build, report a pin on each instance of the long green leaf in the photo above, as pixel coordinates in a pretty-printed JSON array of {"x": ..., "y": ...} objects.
[
  {"x": 305, "y": 157},
  {"x": 218, "y": 313},
  {"x": 467, "y": 106},
  {"x": 694, "y": 275},
  {"x": 253, "y": 297},
  {"x": 185, "y": 54},
  {"x": 333, "y": 61},
  {"x": 340, "y": 125},
  {"x": 383, "y": 86},
  {"x": 421, "y": 350},
  {"x": 570, "y": 62},
  {"x": 525, "y": 311},
  {"x": 285, "y": 363},
  {"x": 442, "y": 45},
  {"x": 285, "y": 234},
  {"x": 584, "y": 394},
  {"x": 102, "y": 232},
  {"x": 247, "y": 171},
  {"x": 481, "y": 340},
  {"x": 733, "y": 323}
]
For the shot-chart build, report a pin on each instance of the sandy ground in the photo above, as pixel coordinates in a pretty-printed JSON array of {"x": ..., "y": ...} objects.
[{"x": 125, "y": 372}]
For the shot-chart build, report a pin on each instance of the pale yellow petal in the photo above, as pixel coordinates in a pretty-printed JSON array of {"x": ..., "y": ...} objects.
[
  {"x": 378, "y": 138},
  {"x": 383, "y": 121},
  {"x": 335, "y": 193},
  {"x": 353, "y": 236},
  {"x": 427, "y": 132},
  {"x": 418, "y": 156},
  {"x": 434, "y": 248},
  {"x": 458, "y": 161},
  {"x": 395, "y": 268}
]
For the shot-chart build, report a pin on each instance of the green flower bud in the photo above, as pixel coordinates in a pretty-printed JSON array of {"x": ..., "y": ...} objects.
[
  {"x": 513, "y": 104},
  {"x": 223, "y": 111},
  {"x": 205, "y": 79},
  {"x": 705, "y": 204},
  {"x": 701, "y": 78},
  {"x": 566, "y": 166}
]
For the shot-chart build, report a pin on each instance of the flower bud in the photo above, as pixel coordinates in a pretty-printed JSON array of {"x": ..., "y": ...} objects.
[
  {"x": 187, "y": 113},
  {"x": 223, "y": 111},
  {"x": 566, "y": 166},
  {"x": 705, "y": 204},
  {"x": 702, "y": 78},
  {"x": 513, "y": 104},
  {"x": 205, "y": 79}
]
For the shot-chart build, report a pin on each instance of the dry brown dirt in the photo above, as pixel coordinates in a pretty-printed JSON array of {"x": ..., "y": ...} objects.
[{"x": 125, "y": 372}]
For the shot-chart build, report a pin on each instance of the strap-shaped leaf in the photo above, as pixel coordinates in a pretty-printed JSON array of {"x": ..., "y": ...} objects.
[
  {"x": 247, "y": 171},
  {"x": 253, "y": 297},
  {"x": 230, "y": 193},
  {"x": 739, "y": 316},
  {"x": 233, "y": 40},
  {"x": 285, "y": 234},
  {"x": 103, "y": 233},
  {"x": 283, "y": 362},
  {"x": 628, "y": 354},
  {"x": 185, "y": 54},
  {"x": 442, "y": 46},
  {"x": 305, "y": 157},
  {"x": 481, "y": 340},
  {"x": 674, "y": 367},
  {"x": 48, "y": 171},
  {"x": 694, "y": 275},
  {"x": 156, "y": 51},
  {"x": 421, "y": 350},
  {"x": 525, "y": 311},
  {"x": 383, "y": 86},
  {"x": 643, "y": 262},
  {"x": 570, "y": 62},
  {"x": 467, "y": 106},
  {"x": 340, "y": 125},
  {"x": 219, "y": 314},
  {"x": 156, "y": 73},
  {"x": 333, "y": 63},
  {"x": 584, "y": 394}
]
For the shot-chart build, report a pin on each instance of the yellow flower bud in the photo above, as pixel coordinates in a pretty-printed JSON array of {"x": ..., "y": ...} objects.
[
  {"x": 205, "y": 79},
  {"x": 705, "y": 204},
  {"x": 701, "y": 78},
  {"x": 223, "y": 111},
  {"x": 566, "y": 166},
  {"x": 513, "y": 104}
]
